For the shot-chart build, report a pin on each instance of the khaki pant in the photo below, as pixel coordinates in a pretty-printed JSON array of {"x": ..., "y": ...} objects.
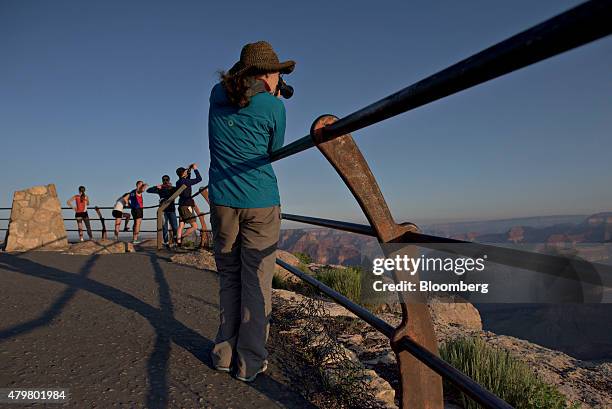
[{"x": 245, "y": 243}]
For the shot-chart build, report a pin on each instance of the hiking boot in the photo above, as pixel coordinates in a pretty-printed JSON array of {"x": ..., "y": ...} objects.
[{"x": 263, "y": 368}]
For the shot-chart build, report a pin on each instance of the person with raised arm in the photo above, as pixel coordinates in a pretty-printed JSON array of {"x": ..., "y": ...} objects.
[{"x": 186, "y": 203}]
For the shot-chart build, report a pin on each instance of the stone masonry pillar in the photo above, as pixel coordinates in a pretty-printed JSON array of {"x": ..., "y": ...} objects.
[{"x": 36, "y": 221}]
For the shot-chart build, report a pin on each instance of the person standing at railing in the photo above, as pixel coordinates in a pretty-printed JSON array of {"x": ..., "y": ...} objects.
[
  {"x": 80, "y": 212},
  {"x": 137, "y": 205},
  {"x": 165, "y": 191},
  {"x": 186, "y": 203},
  {"x": 119, "y": 214},
  {"x": 246, "y": 122}
]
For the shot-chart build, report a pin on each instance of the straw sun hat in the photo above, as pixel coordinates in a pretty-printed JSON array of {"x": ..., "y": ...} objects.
[{"x": 260, "y": 56}]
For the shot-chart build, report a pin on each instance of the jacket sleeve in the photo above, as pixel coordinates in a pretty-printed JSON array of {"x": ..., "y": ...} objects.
[
  {"x": 278, "y": 133},
  {"x": 153, "y": 189},
  {"x": 195, "y": 180}
]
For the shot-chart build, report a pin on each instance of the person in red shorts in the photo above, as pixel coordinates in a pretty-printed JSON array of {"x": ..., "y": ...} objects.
[{"x": 80, "y": 211}]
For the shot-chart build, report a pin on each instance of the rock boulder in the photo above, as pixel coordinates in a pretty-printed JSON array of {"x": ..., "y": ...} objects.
[
  {"x": 281, "y": 272},
  {"x": 36, "y": 221}
]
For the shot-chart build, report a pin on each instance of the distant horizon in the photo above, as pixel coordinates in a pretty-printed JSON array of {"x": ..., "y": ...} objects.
[
  {"x": 148, "y": 224},
  {"x": 108, "y": 93},
  {"x": 303, "y": 226},
  {"x": 442, "y": 221},
  {"x": 152, "y": 200}
]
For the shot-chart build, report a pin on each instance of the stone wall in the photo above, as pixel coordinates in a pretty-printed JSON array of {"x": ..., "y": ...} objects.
[{"x": 36, "y": 221}]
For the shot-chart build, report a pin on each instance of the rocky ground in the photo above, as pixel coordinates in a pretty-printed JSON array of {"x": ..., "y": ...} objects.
[
  {"x": 587, "y": 382},
  {"x": 93, "y": 247}
]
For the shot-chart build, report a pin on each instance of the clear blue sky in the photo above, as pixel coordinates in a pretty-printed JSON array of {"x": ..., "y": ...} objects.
[{"x": 104, "y": 93}]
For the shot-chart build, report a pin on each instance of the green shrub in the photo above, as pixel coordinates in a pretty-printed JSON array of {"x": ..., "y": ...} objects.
[
  {"x": 187, "y": 244},
  {"x": 279, "y": 282},
  {"x": 346, "y": 281},
  {"x": 304, "y": 268},
  {"x": 502, "y": 374},
  {"x": 304, "y": 258}
]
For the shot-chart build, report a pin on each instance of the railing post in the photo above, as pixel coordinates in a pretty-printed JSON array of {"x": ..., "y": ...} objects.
[
  {"x": 160, "y": 215},
  {"x": 204, "y": 237},
  {"x": 97, "y": 209},
  {"x": 421, "y": 388}
]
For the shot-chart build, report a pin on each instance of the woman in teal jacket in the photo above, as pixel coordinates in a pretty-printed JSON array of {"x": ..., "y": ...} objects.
[{"x": 246, "y": 122}]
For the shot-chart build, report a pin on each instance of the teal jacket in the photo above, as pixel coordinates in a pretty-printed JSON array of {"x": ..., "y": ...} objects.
[{"x": 240, "y": 140}]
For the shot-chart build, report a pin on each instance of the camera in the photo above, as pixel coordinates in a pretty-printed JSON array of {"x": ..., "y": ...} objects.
[{"x": 286, "y": 91}]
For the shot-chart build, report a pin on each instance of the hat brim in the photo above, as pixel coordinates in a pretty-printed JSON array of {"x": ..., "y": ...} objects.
[{"x": 285, "y": 67}]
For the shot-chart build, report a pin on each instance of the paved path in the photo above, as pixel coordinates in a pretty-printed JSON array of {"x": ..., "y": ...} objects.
[{"x": 123, "y": 330}]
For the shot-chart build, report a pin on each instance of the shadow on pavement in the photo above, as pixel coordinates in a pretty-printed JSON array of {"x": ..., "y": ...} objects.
[
  {"x": 168, "y": 330},
  {"x": 157, "y": 366},
  {"x": 54, "y": 310}
]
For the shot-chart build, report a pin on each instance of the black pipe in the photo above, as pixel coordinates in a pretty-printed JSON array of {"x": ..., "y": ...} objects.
[
  {"x": 112, "y": 208},
  {"x": 334, "y": 224},
  {"x": 542, "y": 263},
  {"x": 459, "y": 379},
  {"x": 121, "y": 231},
  {"x": 466, "y": 384},
  {"x": 112, "y": 231},
  {"x": 90, "y": 208},
  {"x": 578, "y": 26},
  {"x": 111, "y": 219}
]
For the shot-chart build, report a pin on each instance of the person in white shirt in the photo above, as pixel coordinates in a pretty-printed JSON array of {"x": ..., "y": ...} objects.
[{"x": 119, "y": 214}]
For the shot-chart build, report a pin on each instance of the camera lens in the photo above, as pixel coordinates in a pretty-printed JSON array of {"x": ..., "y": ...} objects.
[{"x": 285, "y": 90}]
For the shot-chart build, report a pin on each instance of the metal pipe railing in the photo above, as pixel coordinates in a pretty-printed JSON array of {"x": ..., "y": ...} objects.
[
  {"x": 120, "y": 232},
  {"x": 112, "y": 219},
  {"x": 111, "y": 208},
  {"x": 437, "y": 364},
  {"x": 573, "y": 28},
  {"x": 542, "y": 263},
  {"x": 334, "y": 224}
]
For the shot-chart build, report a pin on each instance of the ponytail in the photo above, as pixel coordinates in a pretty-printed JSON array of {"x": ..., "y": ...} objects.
[{"x": 82, "y": 192}]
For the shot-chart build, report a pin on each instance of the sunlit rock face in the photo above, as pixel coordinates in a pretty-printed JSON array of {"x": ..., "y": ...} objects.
[{"x": 36, "y": 221}]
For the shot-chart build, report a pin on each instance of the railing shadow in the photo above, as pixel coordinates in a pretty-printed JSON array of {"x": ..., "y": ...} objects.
[
  {"x": 167, "y": 328},
  {"x": 157, "y": 365},
  {"x": 54, "y": 309}
]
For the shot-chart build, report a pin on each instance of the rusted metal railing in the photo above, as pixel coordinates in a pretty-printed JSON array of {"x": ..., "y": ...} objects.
[
  {"x": 413, "y": 340},
  {"x": 578, "y": 26},
  {"x": 462, "y": 381},
  {"x": 160, "y": 214}
]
